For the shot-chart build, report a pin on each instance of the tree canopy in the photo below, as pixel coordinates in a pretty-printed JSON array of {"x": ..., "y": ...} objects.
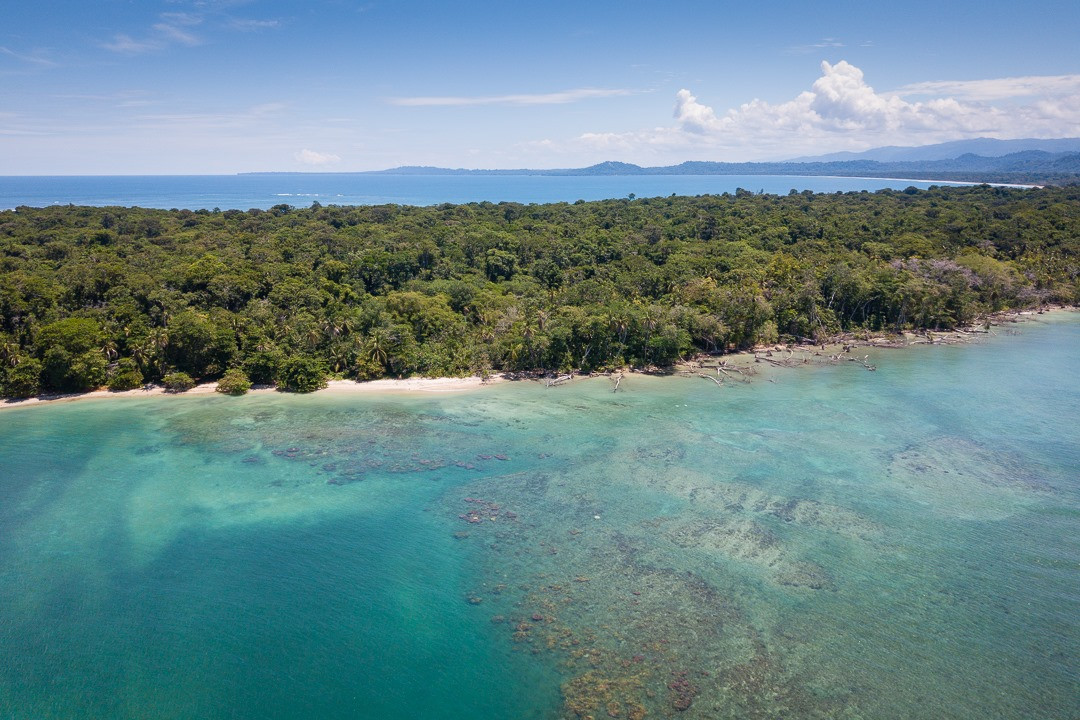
[{"x": 94, "y": 295}]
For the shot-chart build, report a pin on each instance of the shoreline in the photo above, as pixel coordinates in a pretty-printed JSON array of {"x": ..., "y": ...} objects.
[
  {"x": 342, "y": 387},
  {"x": 831, "y": 350},
  {"x": 962, "y": 183}
]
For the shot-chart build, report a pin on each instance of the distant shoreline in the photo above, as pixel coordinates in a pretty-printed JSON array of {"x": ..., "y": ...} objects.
[
  {"x": 832, "y": 348},
  {"x": 525, "y": 173},
  {"x": 540, "y": 189},
  {"x": 557, "y": 174},
  {"x": 1022, "y": 186}
]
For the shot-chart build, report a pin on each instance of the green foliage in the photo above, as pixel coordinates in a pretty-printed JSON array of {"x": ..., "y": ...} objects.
[
  {"x": 75, "y": 335},
  {"x": 178, "y": 382},
  {"x": 302, "y": 374},
  {"x": 23, "y": 380},
  {"x": 290, "y": 295},
  {"x": 69, "y": 372},
  {"x": 125, "y": 376},
  {"x": 201, "y": 344},
  {"x": 262, "y": 366},
  {"x": 234, "y": 382}
]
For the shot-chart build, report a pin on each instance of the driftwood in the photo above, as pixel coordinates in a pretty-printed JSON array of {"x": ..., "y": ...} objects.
[
  {"x": 617, "y": 381},
  {"x": 778, "y": 363},
  {"x": 717, "y": 380},
  {"x": 726, "y": 369},
  {"x": 864, "y": 361},
  {"x": 792, "y": 362},
  {"x": 559, "y": 380}
]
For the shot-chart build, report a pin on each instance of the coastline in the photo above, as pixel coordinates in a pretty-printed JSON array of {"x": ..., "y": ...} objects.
[
  {"x": 964, "y": 183},
  {"x": 342, "y": 387},
  {"x": 833, "y": 350}
]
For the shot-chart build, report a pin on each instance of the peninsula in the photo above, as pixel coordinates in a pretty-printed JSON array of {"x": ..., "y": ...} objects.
[{"x": 121, "y": 297}]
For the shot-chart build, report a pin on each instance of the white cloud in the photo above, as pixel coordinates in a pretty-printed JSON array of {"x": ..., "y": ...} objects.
[
  {"x": 692, "y": 116},
  {"x": 163, "y": 34},
  {"x": 555, "y": 98},
  {"x": 179, "y": 18},
  {"x": 318, "y": 159},
  {"x": 175, "y": 34},
  {"x": 996, "y": 88},
  {"x": 123, "y": 43},
  {"x": 269, "y": 108},
  {"x": 258, "y": 119},
  {"x": 20, "y": 132},
  {"x": 842, "y": 112},
  {"x": 814, "y": 47},
  {"x": 35, "y": 59},
  {"x": 246, "y": 25}
]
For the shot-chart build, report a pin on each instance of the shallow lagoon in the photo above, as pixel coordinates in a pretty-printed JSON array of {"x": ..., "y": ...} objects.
[{"x": 825, "y": 542}]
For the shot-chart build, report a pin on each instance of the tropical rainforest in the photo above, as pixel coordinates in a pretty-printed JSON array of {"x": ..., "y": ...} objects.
[{"x": 117, "y": 297}]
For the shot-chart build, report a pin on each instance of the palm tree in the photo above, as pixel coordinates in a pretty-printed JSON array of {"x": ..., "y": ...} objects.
[
  {"x": 513, "y": 353},
  {"x": 149, "y": 353},
  {"x": 9, "y": 352},
  {"x": 339, "y": 357},
  {"x": 108, "y": 349},
  {"x": 158, "y": 339},
  {"x": 346, "y": 325},
  {"x": 619, "y": 323},
  {"x": 332, "y": 327},
  {"x": 283, "y": 328},
  {"x": 528, "y": 332},
  {"x": 378, "y": 345},
  {"x": 649, "y": 319}
]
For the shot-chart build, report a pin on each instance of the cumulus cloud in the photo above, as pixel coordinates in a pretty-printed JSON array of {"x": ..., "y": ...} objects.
[
  {"x": 842, "y": 111},
  {"x": 317, "y": 159},
  {"x": 555, "y": 98},
  {"x": 692, "y": 116}
]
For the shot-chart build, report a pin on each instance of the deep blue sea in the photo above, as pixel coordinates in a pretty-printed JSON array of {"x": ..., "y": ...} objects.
[
  {"x": 822, "y": 542},
  {"x": 243, "y": 192}
]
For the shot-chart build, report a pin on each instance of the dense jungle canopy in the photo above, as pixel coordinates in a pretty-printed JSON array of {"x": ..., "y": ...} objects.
[{"x": 120, "y": 296}]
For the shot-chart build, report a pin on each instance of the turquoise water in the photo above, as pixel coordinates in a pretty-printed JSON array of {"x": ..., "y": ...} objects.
[
  {"x": 821, "y": 542},
  {"x": 242, "y": 192}
]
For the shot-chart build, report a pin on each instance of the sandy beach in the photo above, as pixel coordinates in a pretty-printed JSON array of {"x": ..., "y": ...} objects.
[
  {"x": 344, "y": 387},
  {"x": 834, "y": 350}
]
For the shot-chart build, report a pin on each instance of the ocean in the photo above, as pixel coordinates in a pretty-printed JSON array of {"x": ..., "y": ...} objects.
[
  {"x": 819, "y": 542},
  {"x": 243, "y": 192}
]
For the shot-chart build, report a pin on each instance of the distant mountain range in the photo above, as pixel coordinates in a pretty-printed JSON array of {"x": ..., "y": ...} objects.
[
  {"x": 1029, "y": 166},
  {"x": 1030, "y": 161},
  {"x": 986, "y": 147}
]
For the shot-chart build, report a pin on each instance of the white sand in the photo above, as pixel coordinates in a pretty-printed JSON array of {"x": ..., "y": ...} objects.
[
  {"x": 415, "y": 384},
  {"x": 442, "y": 385}
]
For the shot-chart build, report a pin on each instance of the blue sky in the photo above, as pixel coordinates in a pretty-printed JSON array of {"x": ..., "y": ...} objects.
[{"x": 223, "y": 86}]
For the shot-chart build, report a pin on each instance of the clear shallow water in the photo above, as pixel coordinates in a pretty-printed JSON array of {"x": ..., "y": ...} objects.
[
  {"x": 831, "y": 543},
  {"x": 243, "y": 192}
]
